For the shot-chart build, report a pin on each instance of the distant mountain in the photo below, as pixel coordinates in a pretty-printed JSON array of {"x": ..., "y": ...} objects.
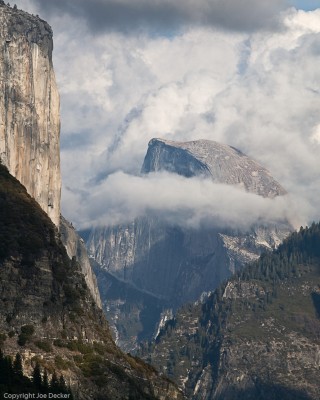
[
  {"x": 220, "y": 162},
  {"x": 257, "y": 336},
  {"x": 48, "y": 314},
  {"x": 176, "y": 264},
  {"x": 132, "y": 310}
]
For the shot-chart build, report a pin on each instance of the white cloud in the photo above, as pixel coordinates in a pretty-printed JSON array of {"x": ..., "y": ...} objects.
[
  {"x": 315, "y": 137},
  {"x": 189, "y": 202},
  {"x": 256, "y": 91}
]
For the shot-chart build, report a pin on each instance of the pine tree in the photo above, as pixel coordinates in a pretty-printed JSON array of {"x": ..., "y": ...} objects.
[
  {"x": 2, "y": 368},
  {"x": 62, "y": 384},
  {"x": 45, "y": 382},
  {"x": 7, "y": 376},
  {"x": 54, "y": 383},
  {"x": 36, "y": 376},
  {"x": 17, "y": 365}
]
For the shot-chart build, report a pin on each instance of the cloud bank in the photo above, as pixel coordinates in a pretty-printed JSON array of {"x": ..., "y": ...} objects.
[
  {"x": 257, "y": 90},
  {"x": 186, "y": 202}
]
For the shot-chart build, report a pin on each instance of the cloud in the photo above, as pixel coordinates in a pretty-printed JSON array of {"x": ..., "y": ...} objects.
[
  {"x": 167, "y": 15},
  {"x": 188, "y": 202},
  {"x": 315, "y": 137},
  {"x": 257, "y": 91}
]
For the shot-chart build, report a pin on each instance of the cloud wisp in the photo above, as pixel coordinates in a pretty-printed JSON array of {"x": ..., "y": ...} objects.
[{"x": 187, "y": 202}]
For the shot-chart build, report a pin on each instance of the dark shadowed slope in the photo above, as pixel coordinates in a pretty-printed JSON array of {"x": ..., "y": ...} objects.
[{"x": 48, "y": 314}]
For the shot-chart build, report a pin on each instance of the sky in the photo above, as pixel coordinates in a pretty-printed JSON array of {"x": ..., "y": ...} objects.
[{"x": 244, "y": 73}]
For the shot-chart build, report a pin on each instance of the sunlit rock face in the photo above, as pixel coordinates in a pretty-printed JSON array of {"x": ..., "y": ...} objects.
[
  {"x": 29, "y": 107},
  {"x": 177, "y": 264},
  {"x": 220, "y": 162},
  {"x": 30, "y": 120}
]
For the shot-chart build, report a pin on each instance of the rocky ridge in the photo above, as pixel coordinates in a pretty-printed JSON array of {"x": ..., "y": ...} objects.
[
  {"x": 257, "y": 336},
  {"x": 75, "y": 247}
]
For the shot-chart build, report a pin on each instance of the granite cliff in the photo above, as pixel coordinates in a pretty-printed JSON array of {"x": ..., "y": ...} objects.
[
  {"x": 49, "y": 316},
  {"x": 29, "y": 107},
  {"x": 177, "y": 264},
  {"x": 30, "y": 120},
  {"x": 217, "y": 161},
  {"x": 49, "y": 304},
  {"x": 257, "y": 336}
]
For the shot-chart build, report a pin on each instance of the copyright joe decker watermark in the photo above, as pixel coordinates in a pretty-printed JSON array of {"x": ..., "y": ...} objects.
[{"x": 27, "y": 396}]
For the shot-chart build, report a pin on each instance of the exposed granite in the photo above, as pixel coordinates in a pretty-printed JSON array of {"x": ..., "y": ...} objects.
[
  {"x": 220, "y": 162},
  {"x": 29, "y": 107},
  {"x": 178, "y": 264}
]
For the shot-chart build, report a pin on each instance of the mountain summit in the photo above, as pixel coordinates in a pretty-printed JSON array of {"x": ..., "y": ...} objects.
[
  {"x": 220, "y": 162},
  {"x": 175, "y": 264}
]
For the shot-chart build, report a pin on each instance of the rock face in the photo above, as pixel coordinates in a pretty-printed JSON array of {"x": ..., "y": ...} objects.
[
  {"x": 255, "y": 337},
  {"x": 30, "y": 120},
  {"x": 76, "y": 248},
  {"x": 49, "y": 316},
  {"x": 178, "y": 264},
  {"x": 29, "y": 107},
  {"x": 173, "y": 263},
  {"x": 134, "y": 312},
  {"x": 222, "y": 163}
]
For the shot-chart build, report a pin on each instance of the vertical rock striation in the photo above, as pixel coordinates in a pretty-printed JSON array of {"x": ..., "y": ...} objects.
[
  {"x": 29, "y": 107},
  {"x": 30, "y": 120}
]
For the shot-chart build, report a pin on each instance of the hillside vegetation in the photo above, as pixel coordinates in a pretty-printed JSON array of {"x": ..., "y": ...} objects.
[
  {"x": 257, "y": 336},
  {"x": 48, "y": 316}
]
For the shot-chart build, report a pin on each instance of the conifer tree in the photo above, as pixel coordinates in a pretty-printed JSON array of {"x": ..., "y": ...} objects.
[
  {"x": 17, "y": 365},
  {"x": 45, "y": 382},
  {"x": 54, "y": 383},
  {"x": 2, "y": 368},
  {"x": 62, "y": 384},
  {"x": 36, "y": 376},
  {"x": 7, "y": 376}
]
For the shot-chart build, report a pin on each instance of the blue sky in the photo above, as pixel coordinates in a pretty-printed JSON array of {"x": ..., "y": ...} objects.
[{"x": 306, "y": 4}]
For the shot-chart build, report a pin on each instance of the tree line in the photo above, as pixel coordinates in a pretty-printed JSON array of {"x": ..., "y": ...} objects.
[{"x": 14, "y": 381}]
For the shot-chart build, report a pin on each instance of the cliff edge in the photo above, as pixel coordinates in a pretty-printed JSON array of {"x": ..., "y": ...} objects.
[
  {"x": 220, "y": 162},
  {"x": 29, "y": 107}
]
